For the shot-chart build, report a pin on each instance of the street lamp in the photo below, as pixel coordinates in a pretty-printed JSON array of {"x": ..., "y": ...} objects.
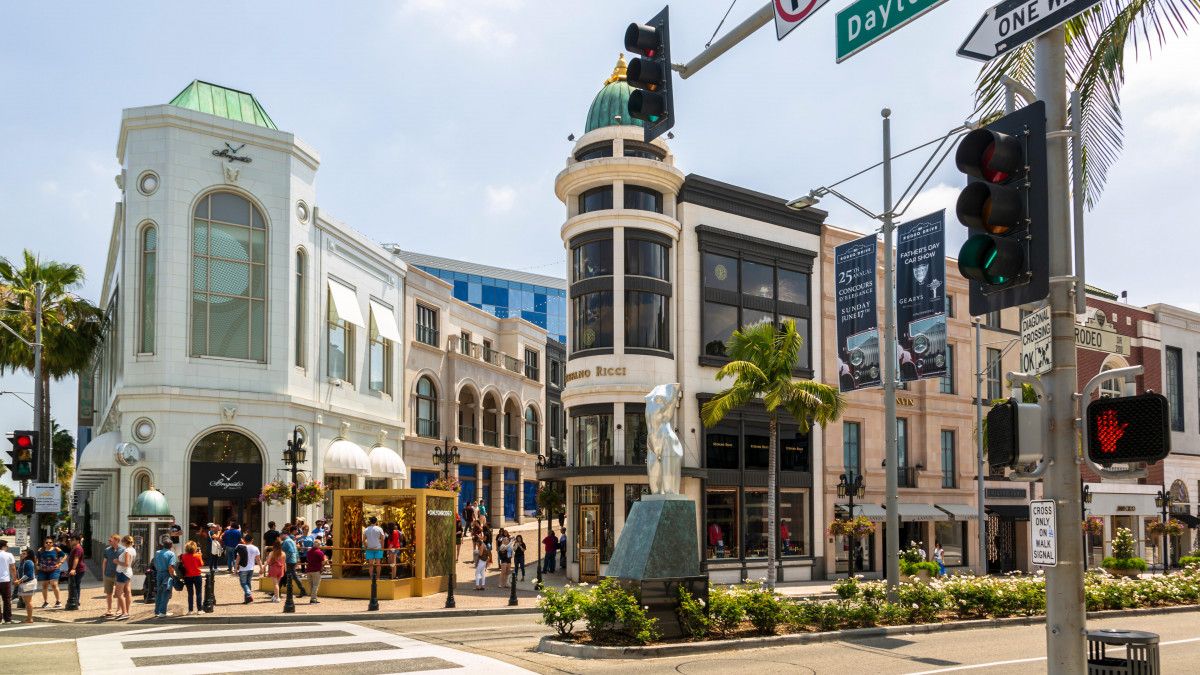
[
  {"x": 293, "y": 457},
  {"x": 541, "y": 466},
  {"x": 1163, "y": 501},
  {"x": 849, "y": 489},
  {"x": 1085, "y": 498},
  {"x": 447, "y": 458}
]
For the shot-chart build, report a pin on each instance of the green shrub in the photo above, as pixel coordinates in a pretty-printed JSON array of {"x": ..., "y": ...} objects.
[
  {"x": 923, "y": 602},
  {"x": 1189, "y": 560},
  {"x": 765, "y": 608},
  {"x": 561, "y": 609},
  {"x": 610, "y": 611},
  {"x": 693, "y": 615},
  {"x": 846, "y": 589},
  {"x": 1122, "y": 543},
  {"x": 725, "y": 612},
  {"x": 860, "y": 614},
  {"x": 1112, "y": 562},
  {"x": 911, "y": 568}
]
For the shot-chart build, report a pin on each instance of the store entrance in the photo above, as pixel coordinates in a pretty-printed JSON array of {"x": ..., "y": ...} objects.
[
  {"x": 226, "y": 477},
  {"x": 589, "y": 542},
  {"x": 246, "y": 513}
]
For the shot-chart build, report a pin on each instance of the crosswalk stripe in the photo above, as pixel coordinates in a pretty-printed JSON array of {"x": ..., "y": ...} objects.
[
  {"x": 176, "y": 632},
  {"x": 174, "y": 643}
]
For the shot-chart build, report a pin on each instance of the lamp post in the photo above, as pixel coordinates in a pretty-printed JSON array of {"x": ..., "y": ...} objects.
[
  {"x": 447, "y": 458},
  {"x": 851, "y": 488},
  {"x": 293, "y": 456},
  {"x": 210, "y": 584},
  {"x": 1085, "y": 498},
  {"x": 541, "y": 466},
  {"x": 1163, "y": 501}
]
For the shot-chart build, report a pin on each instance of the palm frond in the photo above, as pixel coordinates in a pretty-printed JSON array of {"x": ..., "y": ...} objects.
[
  {"x": 725, "y": 402},
  {"x": 745, "y": 369}
]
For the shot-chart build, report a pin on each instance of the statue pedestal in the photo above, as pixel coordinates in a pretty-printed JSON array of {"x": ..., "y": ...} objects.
[{"x": 658, "y": 552}]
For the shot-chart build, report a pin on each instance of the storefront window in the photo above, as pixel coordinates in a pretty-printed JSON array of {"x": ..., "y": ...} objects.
[
  {"x": 720, "y": 272},
  {"x": 793, "y": 452},
  {"x": 721, "y": 450},
  {"x": 793, "y": 530},
  {"x": 719, "y": 323},
  {"x": 721, "y": 512},
  {"x": 953, "y": 538},
  {"x": 334, "y": 482},
  {"x": 645, "y": 258},
  {"x": 756, "y": 523},
  {"x": 635, "y": 436},
  {"x": 600, "y": 536},
  {"x": 793, "y": 287},
  {"x": 758, "y": 279},
  {"x": 593, "y": 321},
  {"x": 757, "y": 451},
  {"x": 633, "y": 493},
  {"x": 646, "y": 320},
  {"x": 593, "y": 259},
  {"x": 593, "y": 440}
]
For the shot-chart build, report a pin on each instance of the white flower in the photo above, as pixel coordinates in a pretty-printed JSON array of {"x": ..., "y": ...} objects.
[
  {"x": 646, "y": 607},
  {"x": 583, "y": 584},
  {"x": 702, "y": 602}
]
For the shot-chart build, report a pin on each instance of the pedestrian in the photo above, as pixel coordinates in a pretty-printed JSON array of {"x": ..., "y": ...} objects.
[
  {"x": 124, "y": 577},
  {"x": 318, "y": 533},
  {"x": 216, "y": 551},
  {"x": 373, "y": 545},
  {"x": 939, "y": 557},
  {"x": 550, "y": 546},
  {"x": 562, "y": 550},
  {"x": 229, "y": 541},
  {"x": 519, "y": 555},
  {"x": 110, "y": 555},
  {"x": 481, "y": 509},
  {"x": 247, "y": 556},
  {"x": 504, "y": 555},
  {"x": 8, "y": 572},
  {"x": 485, "y": 532},
  {"x": 481, "y": 561},
  {"x": 314, "y": 560},
  {"x": 291, "y": 557},
  {"x": 49, "y": 557},
  {"x": 76, "y": 568},
  {"x": 276, "y": 564},
  {"x": 393, "y": 545},
  {"x": 193, "y": 566},
  {"x": 164, "y": 575},
  {"x": 458, "y": 535},
  {"x": 469, "y": 514},
  {"x": 269, "y": 538},
  {"x": 27, "y": 582},
  {"x": 306, "y": 540}
]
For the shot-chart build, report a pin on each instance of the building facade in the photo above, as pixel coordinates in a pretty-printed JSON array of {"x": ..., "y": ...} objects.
[{"x": 662, "y": 267}]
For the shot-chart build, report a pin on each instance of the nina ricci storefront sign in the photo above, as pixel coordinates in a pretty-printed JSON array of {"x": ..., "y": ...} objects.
[{"x": 598, "y": 371}]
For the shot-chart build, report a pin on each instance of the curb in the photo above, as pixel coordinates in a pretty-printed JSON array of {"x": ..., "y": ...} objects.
[
  {"x": 549, "y": 645},
  {"x": 298, "y": 617}
]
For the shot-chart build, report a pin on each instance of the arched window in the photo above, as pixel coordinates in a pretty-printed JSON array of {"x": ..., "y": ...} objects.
[
  {"x": 531, "y": 431},
  {"x": 149, "y": 277},
  {"x": 227, "y": 446},
  {"x": 427, "y": 409},
  {"x": 1113, "y": 387},
  {"x": 229, "y": 273},
  {"x": 301, "y": 264},
  {"x": 141, "y": 482}
]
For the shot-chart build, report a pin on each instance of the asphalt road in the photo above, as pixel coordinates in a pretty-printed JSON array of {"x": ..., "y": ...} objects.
[{"x": 492, "y": 643}]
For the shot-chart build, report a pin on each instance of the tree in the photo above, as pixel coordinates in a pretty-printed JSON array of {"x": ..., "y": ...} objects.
[
  {"x": 1095, "y": 46},
  {"x": 6, "y": 502},
  {"x": 62, "y": 454},
  {"x": 763, "y": 359},
  {"x": 71, "y": 326}
]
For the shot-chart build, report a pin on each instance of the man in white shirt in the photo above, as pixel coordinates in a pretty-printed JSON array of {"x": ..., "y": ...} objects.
[
  {"x": 373, "y": 545},
  {"x": 8, "y": 572},
  {"x": 247, "y": 558}
]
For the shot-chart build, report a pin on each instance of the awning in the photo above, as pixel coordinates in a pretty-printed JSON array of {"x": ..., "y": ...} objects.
[
  {"x": 960, "y": 511},
  {"x": 345, "y": 303},
  {"x": 871, "y": 511},
  {"x": 386, "y": 463},
  {"x": 1187, "y": 519},
  {"x": 385, "y": 321},
  {"x": 346, "y": 457},
  {"x": 1014, "y": 511},
  {"x": 100, "y": 454},
  {"x": 916, "y": 512}
]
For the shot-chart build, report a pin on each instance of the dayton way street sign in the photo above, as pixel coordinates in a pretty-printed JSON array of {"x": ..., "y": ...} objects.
[
  {"x": 1035, "y": 342},
  {"x": 1013, "y": 22},
  {"x": 865, "y": 22},
  {"x": 789, "y": 14}
]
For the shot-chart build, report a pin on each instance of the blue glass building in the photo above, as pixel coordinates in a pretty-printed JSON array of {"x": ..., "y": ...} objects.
[{"x": 539, "y": 299}]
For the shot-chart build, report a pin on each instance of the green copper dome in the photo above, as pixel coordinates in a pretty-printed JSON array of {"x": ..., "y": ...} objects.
[
  {"x": 231, "y": 104},
  {"x": 611, "y": 105},
  {"x": 150, "y": 503}
]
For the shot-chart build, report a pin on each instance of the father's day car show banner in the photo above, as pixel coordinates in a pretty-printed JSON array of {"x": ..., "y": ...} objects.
[
  {"x": 857, "y": 319},
  {"x": 921, "y": 297}
]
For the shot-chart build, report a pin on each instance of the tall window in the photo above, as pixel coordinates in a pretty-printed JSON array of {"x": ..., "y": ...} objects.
[
  {"x": 149, "y": 281},
  {"x": 229, "y": 273},
  {"x": 949, "y": 306},
  {"x": 949, "y": 468},
  {"x": 555, "y": 377},
  {"x": 427, "y": 408},
  {"x": 340, "y": 340},
  {"x": 643, "y": 199},
  {"x": 646, "y": 320},
  {"x": 992, "y": 319},
  {"x": 946, "y": 383},
  {"x": 596, "y": 199},
  {"x": 379, "y": 353},
  {"x": 531, "y": 431},
  {"x": 301, "y": 309},
  {"x": 647, "y": 290},
  {"x": 593, "y": 321},
  {"x": 591, "y": 291},
  {"x": 593, "y": 440},
  {"x": 902, "y": 453},
  {"x": 427, "y": 325},
  {"x": 591, "y": 259},
  {"x": 635, "y": 435},
  {"x": 647, "y": 258},
  {"x": 531, "y": 364},
  {"x": 994, "y": 390},
  {"x": 851, "y": 450},
  {"x": 1174, "y": 386}
]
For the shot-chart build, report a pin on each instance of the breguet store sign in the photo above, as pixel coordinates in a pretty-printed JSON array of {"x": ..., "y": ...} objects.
[{"x": 598, "y": 371}]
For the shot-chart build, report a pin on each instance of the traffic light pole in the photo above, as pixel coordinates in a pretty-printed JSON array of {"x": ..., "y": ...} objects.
[
  {"x": 39, "y": 402},
  {"x": 892, "y": 471},
  {"x": 1065, "y": 618}
]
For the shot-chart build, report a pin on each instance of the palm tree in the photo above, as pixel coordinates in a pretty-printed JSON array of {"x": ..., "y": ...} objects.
[
  {"x": 71, "y": 326},
  {"x": 762, "y": 361},
  {"x": 1095, "y": 44}
]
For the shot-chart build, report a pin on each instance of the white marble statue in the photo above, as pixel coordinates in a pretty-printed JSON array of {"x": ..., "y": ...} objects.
[{"x": 664, "y": 452}]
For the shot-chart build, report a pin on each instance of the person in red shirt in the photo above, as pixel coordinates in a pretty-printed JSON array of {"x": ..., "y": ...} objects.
[
  {"x": 315, "y": 564},
  {"x": 192, "y": 563},
  {"x": 75, "y": 571},
  {"x": 550, "y": 543}
]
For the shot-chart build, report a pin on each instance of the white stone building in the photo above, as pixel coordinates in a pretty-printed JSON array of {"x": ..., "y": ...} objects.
[{"x": 1180, "y": 330}]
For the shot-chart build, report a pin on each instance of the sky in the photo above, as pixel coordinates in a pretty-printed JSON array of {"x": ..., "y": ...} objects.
[{"x": 442, "y": 125}]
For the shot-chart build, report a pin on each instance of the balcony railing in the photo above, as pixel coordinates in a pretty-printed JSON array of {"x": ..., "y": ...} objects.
[
  {"x": 512, "y": 442},
  {"x": 491, "y": 437},
  {"x": 532, "y": 446},
  {"x": 427, "y": 334},
  {"x": 495, "y": 357},
  {"x": 427, "y": 428},
  {"x": 466, "y": 434},
  {"x": 906, "y": 477}
]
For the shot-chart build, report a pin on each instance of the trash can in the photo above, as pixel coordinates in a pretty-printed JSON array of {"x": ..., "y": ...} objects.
[{"x": 1141, "y": 652}]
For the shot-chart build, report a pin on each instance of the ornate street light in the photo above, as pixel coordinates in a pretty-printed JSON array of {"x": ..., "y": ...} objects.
[
  {"x": 541, "y": 466},
  {"x": 293, "y": 457},
  {"x": 446, "y": 458},
  {"x": 1085, "y": 498},
  {"x": 1163, "y": 501},
  {"x": 851, "y": 488}
]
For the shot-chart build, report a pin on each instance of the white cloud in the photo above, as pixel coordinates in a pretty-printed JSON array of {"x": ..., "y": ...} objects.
[
  {"x": 480, "y": 23},
  {"x": 501, "y": 198}
]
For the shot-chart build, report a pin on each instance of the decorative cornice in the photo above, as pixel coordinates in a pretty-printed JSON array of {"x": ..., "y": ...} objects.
[{"x": 739, "y": 201}]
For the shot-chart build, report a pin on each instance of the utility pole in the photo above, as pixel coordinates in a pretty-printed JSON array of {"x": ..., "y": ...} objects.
[
  {"x": 1065, "y": 618},
  {"x": 39, "y": 407},
  {"x": 979, "y": 446},
  {"x": 891, "y": 539}
]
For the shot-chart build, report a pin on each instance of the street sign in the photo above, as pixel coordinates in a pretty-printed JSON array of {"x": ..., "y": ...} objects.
[
  {"x": 1012, "y": 23},
  {"x": 865, "y": 22},
  {"x": 1099, "y": 333},
  {"x": 791, "y": 13},
  {"x": 1044, "y": 539},
  {"x": 22, "y": 537},
  {"x": 1035, "y": 342},
  {"x": 47, "y": 497}
]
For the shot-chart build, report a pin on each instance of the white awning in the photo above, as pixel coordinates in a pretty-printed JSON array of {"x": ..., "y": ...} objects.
[
  {"x": 386, "y": 463},
  {"x": 960, "y": 511},
  {"x": 917, "y": 512},
  {"x": 345, "y": 303},
  {"x": 346, "y": 457},
  {"x": 100, "y": 454},
  {"x": 871, "y": 511},
  {"x": 385, "y": 321}
]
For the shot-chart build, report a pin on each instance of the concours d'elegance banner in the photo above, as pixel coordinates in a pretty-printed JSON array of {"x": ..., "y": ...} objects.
[
  {"x": 857, "y": 319},
  {"x": 921, "y": 297}
]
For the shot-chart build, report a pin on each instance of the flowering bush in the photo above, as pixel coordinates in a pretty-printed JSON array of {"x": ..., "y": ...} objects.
[
  {"x": 276, "y": 492},
  {"x": 725, "y": 611},
  {"x": 611, "y": 611},
  {"x": 693, "y": 614},
  {"x": 1122, "y": 561},
  {"x": 561, "y": 609},
  {"x": 1172, "y": 527},
  {"x": 858, "y": 526},
  {"x": 449, "y": 484},
  {"x": 1093, "y": 525},
  {"x": 311, "y": 492},
  {"x": 764, "y": 608}
]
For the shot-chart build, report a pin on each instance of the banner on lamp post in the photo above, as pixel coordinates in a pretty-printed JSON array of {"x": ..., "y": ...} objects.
[
  {"x": 857, "y": 316},
  {"x": 921, "y": 298}
]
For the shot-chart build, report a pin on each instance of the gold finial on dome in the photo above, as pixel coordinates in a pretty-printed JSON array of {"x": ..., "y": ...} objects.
[{"x": 618, "y": 72}]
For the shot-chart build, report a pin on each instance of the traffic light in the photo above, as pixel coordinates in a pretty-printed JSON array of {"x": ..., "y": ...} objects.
[
  {"x": 23, "y": 506},
  {"x": 650, "y": 75},
  {"x": 1128, "y": 429},
  {"x": 24, "y": 454},
  {"x": 1006, "y": 258},
  {"x": 1014, "y": 434}
]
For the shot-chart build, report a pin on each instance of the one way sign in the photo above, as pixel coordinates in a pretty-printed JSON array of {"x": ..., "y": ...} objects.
[{"x": 1012, "y": 23}]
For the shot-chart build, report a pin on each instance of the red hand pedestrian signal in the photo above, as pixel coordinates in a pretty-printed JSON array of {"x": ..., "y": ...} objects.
[
  {"x": 1109, "y": 431},
  {"x": 23, "y": 505}
]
